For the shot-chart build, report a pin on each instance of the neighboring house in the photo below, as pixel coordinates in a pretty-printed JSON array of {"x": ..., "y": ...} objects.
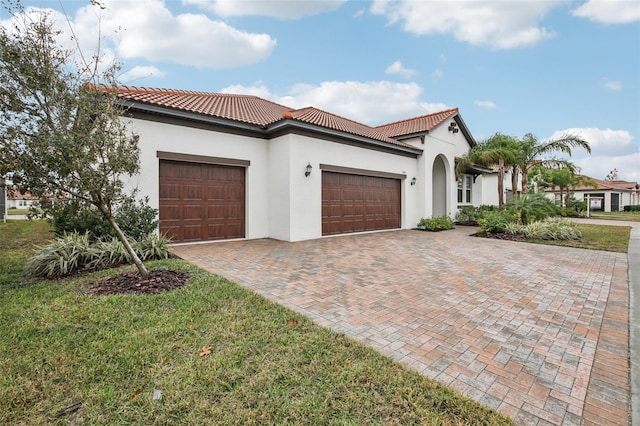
[
  {"x": 17, "y": 200},
  {"x": 607, "y": 195},
  {"x": 222, "y": 166}
]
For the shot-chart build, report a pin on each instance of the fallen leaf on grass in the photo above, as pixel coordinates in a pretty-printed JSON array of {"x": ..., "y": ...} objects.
[
  {"x": 206, "y": 350},
  {"x": 136, "y": 393},
  {"x": 348, "y": 362},
  {"x": 292, "y": 321}
]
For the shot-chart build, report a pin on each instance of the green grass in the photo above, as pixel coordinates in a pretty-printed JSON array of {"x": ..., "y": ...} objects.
[
  {"x": 597, "y": 237},
  {"x": 59, "y": 346},
  {"x": 626, "y": 216},
  {"x": 17, "y": 240},
  {"x": 11, "y": 212}
]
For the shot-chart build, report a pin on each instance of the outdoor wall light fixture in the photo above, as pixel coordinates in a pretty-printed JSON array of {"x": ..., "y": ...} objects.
[
  {"x": 307, "y": 171},
  {"x": 413, "y": 181},
  {"x": 453, "y": 127}
]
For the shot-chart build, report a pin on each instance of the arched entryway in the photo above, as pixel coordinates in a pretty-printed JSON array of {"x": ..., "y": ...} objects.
[{"x": 439, "y": 188}]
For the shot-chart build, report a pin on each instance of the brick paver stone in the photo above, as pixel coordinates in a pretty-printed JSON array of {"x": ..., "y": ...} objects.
[{"x": 536, "y": 332}]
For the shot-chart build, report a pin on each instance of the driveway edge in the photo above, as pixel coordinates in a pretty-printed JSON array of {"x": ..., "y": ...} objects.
[{"x": 634, "y": 322}]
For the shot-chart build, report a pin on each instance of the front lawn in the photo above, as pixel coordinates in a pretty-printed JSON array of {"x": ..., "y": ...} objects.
[
  {"x": 596, "y": 237},
  {"x": 625, "y": 216},
  {"x": 210, "y": 352}
]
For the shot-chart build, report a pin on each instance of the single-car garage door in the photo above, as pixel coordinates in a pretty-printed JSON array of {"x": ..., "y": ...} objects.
[
  {"x": 201, "y": 202},
  {"x": 356, "y": 203}
]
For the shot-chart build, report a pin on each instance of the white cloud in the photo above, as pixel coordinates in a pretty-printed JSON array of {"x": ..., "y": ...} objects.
[
  {"x": 398, "y": 68},
  {"x": 609, "y": 149},
  {"x": 613, "y": 85},
  {"x": 486, "y": 104},
  {"x": 609, "y": 11},
  {"x": 146, "y": 29},
  {"x": 140, "y": 72},
  {"x": 282, "y": 9},
  {"x": 437, "y": 73},
  {"x": 598, "y": 166},
  {"x": 373, "y": 102},
  {"x": 602, "y": 140},
  {"x": 500, "y": 25}
]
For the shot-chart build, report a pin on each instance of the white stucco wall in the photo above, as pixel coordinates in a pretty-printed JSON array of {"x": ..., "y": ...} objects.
[
  {"x": 448, "y": 145},
  {"x": 306, "y": 192},
  {"x": 488, "y": 190}
]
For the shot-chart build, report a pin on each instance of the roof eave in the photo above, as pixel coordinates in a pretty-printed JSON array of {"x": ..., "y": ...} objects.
[
  {"x": 262, "y": 131},
  {"x": 465, "y": 130},
  {"x": 290, "y": 123}
]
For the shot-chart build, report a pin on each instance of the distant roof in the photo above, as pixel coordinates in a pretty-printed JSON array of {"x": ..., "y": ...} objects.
[
  {"x": 248, "y": 109},
  {"x": 609, "y": 184}
]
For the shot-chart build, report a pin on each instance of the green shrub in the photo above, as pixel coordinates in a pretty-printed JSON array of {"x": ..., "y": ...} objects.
[
  {"x": 439, "y": 223},
  {"x": 496, "y": 221},
  {"x": 468, "y": 215},
  {"x": 135, "y": 218},
  {"x": 532, "y": 207},
  {"x": 487, "y": 208},
  {"x": 549, "y": 229},
  {"x": 574, "y": 208},
  {"x": 75, "y": 217},
  {"x": 74, "y": 252},
  {"x": 631, "y": 208}
]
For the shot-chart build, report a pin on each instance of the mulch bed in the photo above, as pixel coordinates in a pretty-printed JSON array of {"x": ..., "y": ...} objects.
[
  {"x": 501, "y": 236},
  {"x": 158, "y": 281}
]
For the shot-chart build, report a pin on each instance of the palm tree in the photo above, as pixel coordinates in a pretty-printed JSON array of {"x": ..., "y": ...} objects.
[
  {"x": 498, "y": 151},
  {"x": 531, "y": 151},
  {"x": 565, "y": 179}
]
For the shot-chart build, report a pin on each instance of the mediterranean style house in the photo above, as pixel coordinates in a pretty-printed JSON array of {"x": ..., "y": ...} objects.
[
  {"x": 605, "y": 195},
  {"x": 223, "y": 166}
]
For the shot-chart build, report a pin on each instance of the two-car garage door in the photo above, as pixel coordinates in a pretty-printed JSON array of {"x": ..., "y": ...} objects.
[
  {"x": 357, "y": 203},
  {"x": 201, "y": 202}
]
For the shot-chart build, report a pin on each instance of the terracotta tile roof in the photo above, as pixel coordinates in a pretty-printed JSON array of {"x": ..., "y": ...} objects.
[
  {"x": 608, "y": 185},
  {"x": 417, "y": 124},
  {"x": 243, "y": 108},
  {"x": 318, "y": 117},
  {"x": 247, "y": 109}
]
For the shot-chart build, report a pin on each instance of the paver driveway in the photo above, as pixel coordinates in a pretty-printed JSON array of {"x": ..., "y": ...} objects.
[{"x": 537, "y": 332}]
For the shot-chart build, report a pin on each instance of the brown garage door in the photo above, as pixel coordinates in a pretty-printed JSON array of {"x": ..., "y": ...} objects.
[
  {"x": 201, "y": 202},
  {"x": 354, "y": 203}
]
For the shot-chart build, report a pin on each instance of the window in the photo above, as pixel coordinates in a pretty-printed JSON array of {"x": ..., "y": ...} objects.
[{"x": 464, "y": 189}]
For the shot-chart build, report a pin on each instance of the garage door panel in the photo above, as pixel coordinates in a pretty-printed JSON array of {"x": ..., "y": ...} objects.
[
  {"x": 355, "y": 203},
  {"x": 200, "y": 202},
  {"x": 170, "y": 191},
  {"x": 170, "y": 212}
]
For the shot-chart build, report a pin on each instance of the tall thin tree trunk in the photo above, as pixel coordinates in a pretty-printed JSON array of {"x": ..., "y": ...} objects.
[
  {"x": 123, "y": 239},
  {"x": 514, "y": 180},
  {"x": 524, "y": 178},
  {"x": 500, "y": 182}
]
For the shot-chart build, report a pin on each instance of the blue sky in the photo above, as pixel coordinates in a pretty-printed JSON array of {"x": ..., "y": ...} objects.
[{"x": 515, "y": 67}]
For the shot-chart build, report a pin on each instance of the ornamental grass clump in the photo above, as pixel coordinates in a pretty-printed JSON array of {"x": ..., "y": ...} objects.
[
  {"x": 75, "y": 252},
  {"x": 549, "y": 229}
]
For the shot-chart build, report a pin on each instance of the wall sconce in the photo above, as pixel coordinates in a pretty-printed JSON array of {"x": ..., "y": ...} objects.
[
  {"x": 307, "y": 171},
  {"x": 413, "y": 181},
  {"x": 453, "y": 127}
]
